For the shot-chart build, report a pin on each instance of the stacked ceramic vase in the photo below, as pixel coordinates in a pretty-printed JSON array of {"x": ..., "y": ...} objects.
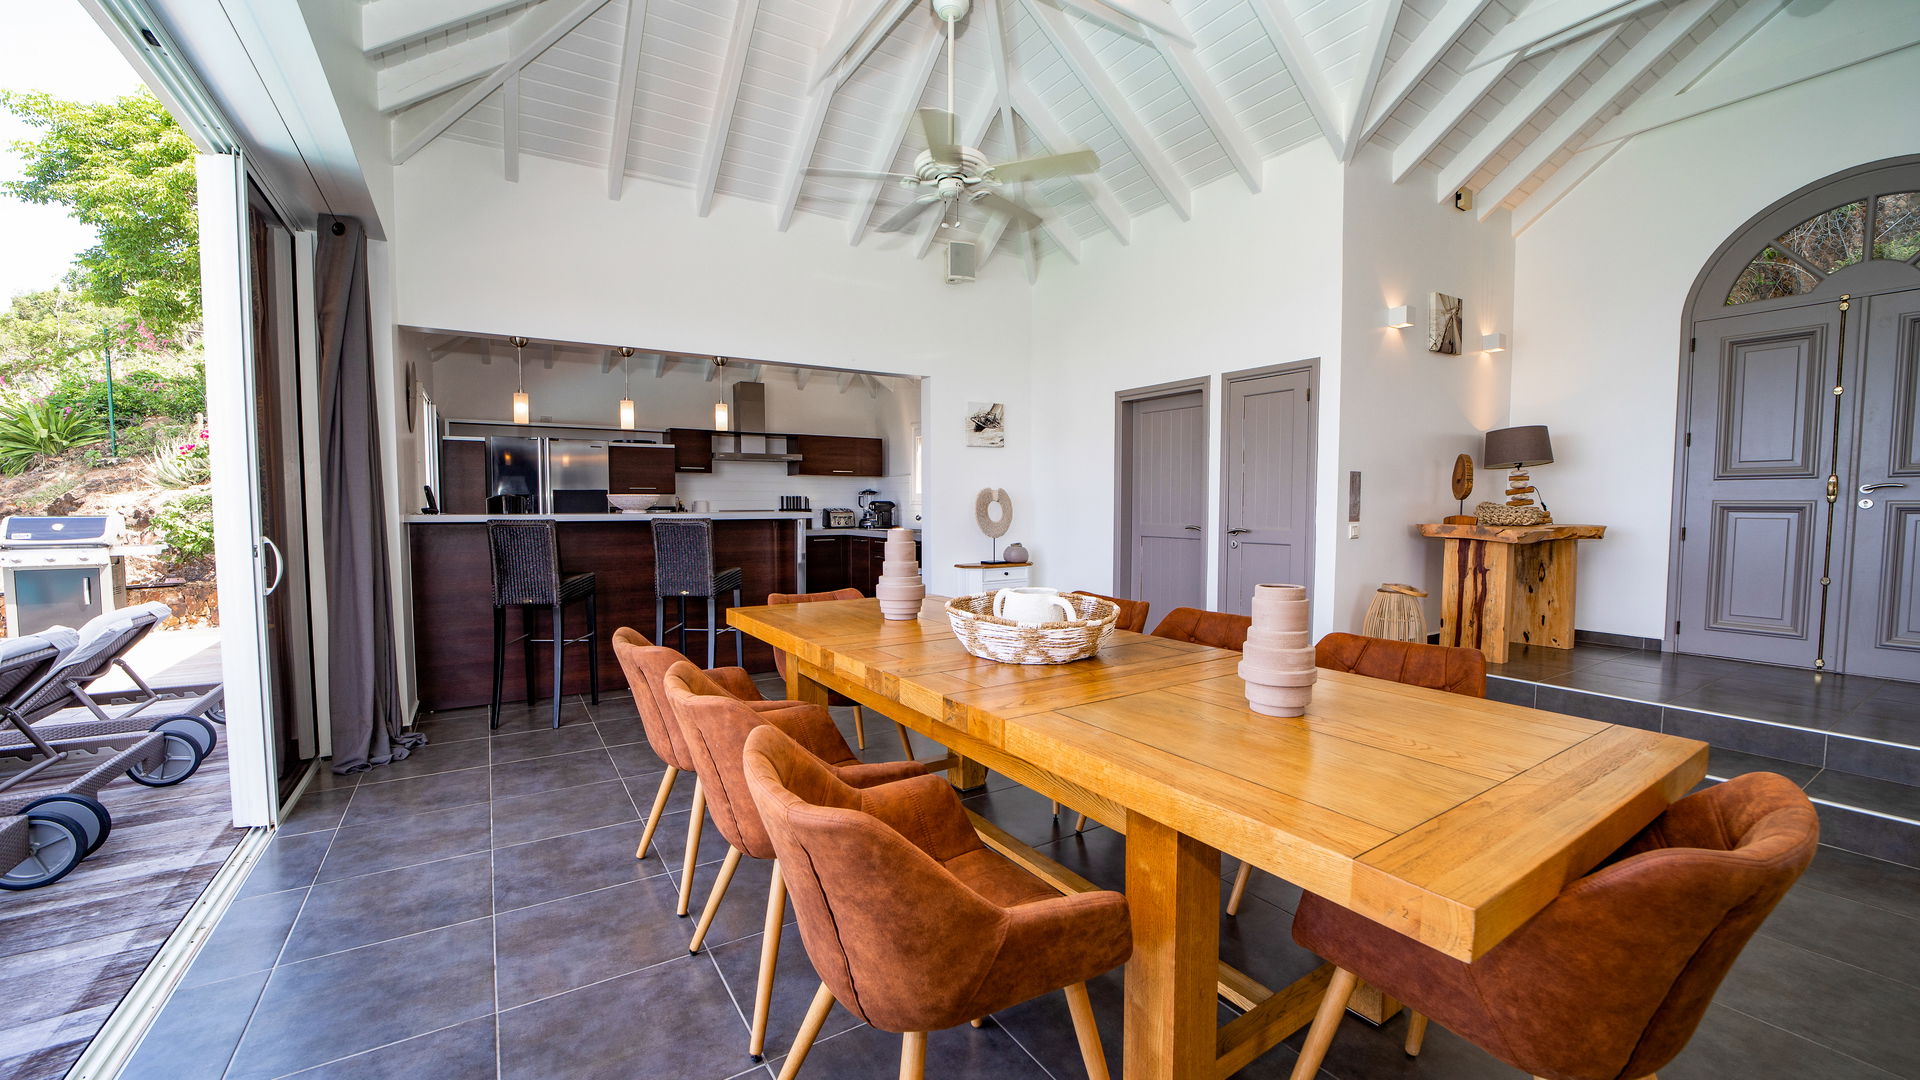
[
  {"x": 1277, "y": 664},
  {"x": 900, "y": 588}
]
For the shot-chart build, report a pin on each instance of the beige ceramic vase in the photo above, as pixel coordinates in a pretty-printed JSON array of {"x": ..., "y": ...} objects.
[
  {"x": 900, "y": 587},
  {"x": 1277, "y": 662}
]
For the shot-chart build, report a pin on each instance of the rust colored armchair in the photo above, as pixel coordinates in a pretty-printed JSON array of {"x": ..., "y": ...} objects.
[
  {"x": 714, "y": 727},
  {"x": 1437, "y": 667},
  {"x": 910, "y": 921},
  {"x": 1216, "y": 628},
  {"x": 1133, "y": 613},
  {"x": 1609, "y": 980},
  {"x": 836, "y": 699}
]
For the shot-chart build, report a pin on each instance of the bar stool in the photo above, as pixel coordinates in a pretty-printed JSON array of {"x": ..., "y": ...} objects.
[
  {"x": 526, "y": 575},
  {"x": 683, "y": 567}
]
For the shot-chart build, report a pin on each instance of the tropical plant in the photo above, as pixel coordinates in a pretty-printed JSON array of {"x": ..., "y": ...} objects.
[
  {"x": 185, "y": 525},
  {"x": 138, "y": 393},
  {"x": 35, "y": 428},
  {"x": 183, "y": 465}
]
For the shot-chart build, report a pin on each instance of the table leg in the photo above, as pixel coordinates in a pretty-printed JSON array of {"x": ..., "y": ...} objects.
[
  {"x": 1476, "y": 583},
  {"x": 1173, "y": 887},
  {"x": 1542, "y": 606}
]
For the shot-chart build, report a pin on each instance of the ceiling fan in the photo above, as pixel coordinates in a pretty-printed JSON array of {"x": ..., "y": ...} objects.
[{"x": 949, "y": 175}]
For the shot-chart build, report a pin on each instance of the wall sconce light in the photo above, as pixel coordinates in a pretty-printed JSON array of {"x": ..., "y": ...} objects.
[
  {"x": 1493, "y": 342},
  {"x": 522, "y": 405},
  {"x": 626, "y": 400},
  {"x": 721, "y": 416},
  {"x": 1399, "y": 317}
]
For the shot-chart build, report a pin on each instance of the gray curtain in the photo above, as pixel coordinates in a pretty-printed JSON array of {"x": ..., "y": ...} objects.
[{"x": 367, "y": 725}]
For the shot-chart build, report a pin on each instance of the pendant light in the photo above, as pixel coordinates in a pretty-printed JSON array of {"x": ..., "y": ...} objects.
[
  {"x": 522, "y": 405},
  {"x": 722, "y": 417},
  {"x": 626, "y": 400}
]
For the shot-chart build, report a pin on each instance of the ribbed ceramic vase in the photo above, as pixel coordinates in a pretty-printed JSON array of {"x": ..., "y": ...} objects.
[
  {"x": 900, "y": 587},
  {"x": 1277, "y": 662}
]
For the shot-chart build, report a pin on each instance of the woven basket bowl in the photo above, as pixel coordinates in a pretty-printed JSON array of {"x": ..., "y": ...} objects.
[{"x": 1009, "y": 642}]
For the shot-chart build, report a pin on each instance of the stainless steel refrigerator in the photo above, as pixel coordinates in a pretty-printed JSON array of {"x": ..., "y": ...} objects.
[
  {"x": 577, "y": 476},
  {"x": 513, "y": 475}
]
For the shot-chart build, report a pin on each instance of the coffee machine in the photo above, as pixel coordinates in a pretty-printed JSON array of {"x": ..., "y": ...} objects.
[{"x": 882, "y": 514}]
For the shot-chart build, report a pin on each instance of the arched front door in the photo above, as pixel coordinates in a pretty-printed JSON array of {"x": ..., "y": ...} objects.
[{"x": 1799, "y": 473}]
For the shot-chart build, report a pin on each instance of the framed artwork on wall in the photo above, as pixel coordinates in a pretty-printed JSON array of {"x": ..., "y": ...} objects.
[
  {"x": 1444, "y": 324},
  {"x": 986, "y": 424}
]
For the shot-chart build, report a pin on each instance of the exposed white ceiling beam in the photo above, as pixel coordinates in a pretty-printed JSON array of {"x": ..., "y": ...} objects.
[
  {"x": 620, "y": 139},
  {"x": 806, "y": 137},
  {"x": 1125, "y": 119},
  {"x": 1660, "y": 40},
  {"x": 1155, "y": 14},
  {"x": 1559, "y": 182},
  {"x": 1108, "y": 18},
  {"x": 849, "y": 31},
  {"x": 1050, "y": 222},
  {"x": 547, "y": 349},
  {"x": 724, "y": 100},
  {"x": 1548, "y": 19},
  {"x": 660, "y": 365},
  {"x": 1890, "y": 33},
  {"x": 873, "y": 386},
  {"x": 1574, "y": 33},
  {"x": 609, "y": 360},
  {"x": 416, "y": 79},
  {"x": 1446, "y": 114},
  {"x": 929, "y": 228},
  {"x": 992, "y": 22},
  {"x": 1193, "y": 77},
  {"x": 1054, "y": 137},
  {"x": 990, "y": 234},
  {"x": 510, "y": 128},
  {"x": 1507, "y": 122},
  {"x": 904, "y": 104},
  {"x": 714, "y": 368},
  {"x": 1426, "y": 50},
  {"x": 1307, "y": 75},
  {"x": 845, "y": 379},
  {"x": 1382, "y": 16},
  {"x": 533, "y": 33},
  {"x": 801, "y": 376},
  {"x": 385, "y": 24}
]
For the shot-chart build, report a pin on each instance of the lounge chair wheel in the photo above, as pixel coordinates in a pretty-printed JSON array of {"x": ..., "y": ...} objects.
[
  {"x": 94, "y": 821},
  {"x": 55, "y": 845},
  {"x": 181, "y": 759},
  {"x": 218, "y": 713},
  {"x": 203, "y": 734}
]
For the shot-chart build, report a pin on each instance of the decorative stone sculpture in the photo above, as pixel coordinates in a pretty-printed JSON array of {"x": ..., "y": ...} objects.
[
  {"x": 1277, "y": 663},
  {"x": 900, "y": 587}
]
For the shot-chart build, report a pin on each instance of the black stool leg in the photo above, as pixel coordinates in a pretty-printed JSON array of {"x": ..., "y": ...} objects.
[
  {"x": 528, "y": 626},
  {"x": 713, "y": 630},
  {"x": 593, "y": 647},
  {"x": 559, "y": 658},
  {"x": 739, "y": 639},
  {"x": 683, "y": 623},
  {"x": 499, "y": 664},
  {"x": 659, "y": 620}
]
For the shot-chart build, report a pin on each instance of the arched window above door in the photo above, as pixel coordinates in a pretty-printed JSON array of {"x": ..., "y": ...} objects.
[{"x": 1796, "y": 262}]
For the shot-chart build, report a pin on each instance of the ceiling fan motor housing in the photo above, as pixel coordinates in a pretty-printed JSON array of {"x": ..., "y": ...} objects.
[{"x": 952, "y": 10}]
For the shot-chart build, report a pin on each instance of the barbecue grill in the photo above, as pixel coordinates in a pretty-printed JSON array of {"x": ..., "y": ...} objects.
[{"x": 60, "y": 571}]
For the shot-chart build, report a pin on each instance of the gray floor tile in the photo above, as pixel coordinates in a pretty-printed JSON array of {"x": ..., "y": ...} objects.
[
  {"x": 1880, "y": 761},
  {"x": 316, "y": 811},
  {"x": 1727, "y": 764},
  {"x": 1026, "y": 814},
  {"x": 556, "y": 813},
  {"x": 249, "y": 938},
  {"x": 644, "y": 789},
  {"x": 1847, "y": 930},
  {"x": 545, "y": 742},
  {"x": 1828, "y": 1001},
  {"x": 1361, "y": 1051},
  {"x": 565, "y": 944},
  {"x": 793, "y": 986},
  {"x": 432, "y": 758},
  {"x": 443, "y": 834},
  {"x": 356, "y": 911},
  {"x": 1730, "y": 1043},
  {"x": 637, "y": 759},
  {"x": 462, "y": 1052},
  {"x": 560, "y": 866},
  {"x": 1596, "y": 706},
  {"x": 1771, "y": 740},
  {"x": 194, "y": 1035},
  {"x": 531, "y": 776},
  {"x": 1866, "y": 793},
  {"x": 290, "y": 862},
  {"x": 1512, "y": 691},
  {"x": 1887, "y": 886},
  {"x": 625, "y": 731},
  {"x": 670, "y": 840},
  {"x": 962, "y": 1053},
  {"x": 384, "y": 804},
  {"x": 592, "y": 1033},
  {"x": 1043, "y": 1027}
]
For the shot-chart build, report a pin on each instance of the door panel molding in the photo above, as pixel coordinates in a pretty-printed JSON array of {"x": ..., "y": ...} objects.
[
  {"x": 1752, "y": 541},
  {"x": 1300, "y": 552},
  {"x": 1755, "y": 440}
]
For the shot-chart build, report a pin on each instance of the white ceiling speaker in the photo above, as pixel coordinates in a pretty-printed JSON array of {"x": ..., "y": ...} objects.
[
  {"x": 952, "y": 10},
  {"x": 962, "y": 260}
]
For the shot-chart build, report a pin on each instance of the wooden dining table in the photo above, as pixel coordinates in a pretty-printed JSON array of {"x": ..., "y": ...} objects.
[{"x": 1450, "y": 819}]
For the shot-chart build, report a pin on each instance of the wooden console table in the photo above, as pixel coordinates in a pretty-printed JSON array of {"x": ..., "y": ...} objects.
[{"x": 1508, "y": 583}]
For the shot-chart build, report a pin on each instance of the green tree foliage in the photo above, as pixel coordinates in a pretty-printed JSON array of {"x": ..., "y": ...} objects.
[
  {"x": 126, "y": 168},
  {"x": 50, "y": 329}
]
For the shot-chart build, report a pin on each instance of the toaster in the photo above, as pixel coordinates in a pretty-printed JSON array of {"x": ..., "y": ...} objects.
[{"x": 838, "y": 517}]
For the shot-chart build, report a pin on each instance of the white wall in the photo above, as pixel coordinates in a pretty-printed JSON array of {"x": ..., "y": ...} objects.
[
  {"x": 1601, "y": 281},
  {"x": 1406, "y": 412},
  {"x": 1250, "y": 281},
  {"x": 551, "y": 256}
]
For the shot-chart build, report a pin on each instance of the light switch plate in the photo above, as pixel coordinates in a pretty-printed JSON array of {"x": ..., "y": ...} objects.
[{"x": 1353, "y": 530}]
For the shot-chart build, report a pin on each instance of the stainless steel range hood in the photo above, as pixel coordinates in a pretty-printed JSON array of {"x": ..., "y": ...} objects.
[{"x": 749, "y": 419}]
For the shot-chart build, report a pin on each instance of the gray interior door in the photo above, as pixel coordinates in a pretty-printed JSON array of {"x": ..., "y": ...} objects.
[
  {"x": 1268, "y": 499},
  {"x": 1164, "y": 500},
  {"x": 1883, "y": 496},
  {"x": 1760, "y": 433}
]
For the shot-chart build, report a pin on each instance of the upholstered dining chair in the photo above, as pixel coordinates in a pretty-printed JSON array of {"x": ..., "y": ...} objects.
[
  {"x": 714, "y": 725},
  {"x": 645, "y": 665},
  {"x": 1610, "y": 979},
  {"x": 1437, "y": 667},
  {"x": 1220, "y": 629},
  {"x": 1133, "y": 613},
  {"x": 834, "y": 698},
  {"x": 911, "y": 922}
]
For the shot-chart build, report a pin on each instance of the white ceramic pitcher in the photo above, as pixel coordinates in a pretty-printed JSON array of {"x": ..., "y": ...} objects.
[{"x": 1033, "y": 604}]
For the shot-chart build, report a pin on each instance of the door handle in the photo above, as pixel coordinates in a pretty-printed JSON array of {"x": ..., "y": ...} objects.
[
  {"x": 1238, "y": 532},
  {"x": 279, "y": 566},
  {"x": 1191, "y": 528},
  {"x": 1868, "y": 489}
]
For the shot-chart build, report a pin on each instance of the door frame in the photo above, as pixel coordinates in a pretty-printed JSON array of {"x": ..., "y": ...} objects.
[
  {"x": 1311, "y": 366},
  {"x": 1705, "y": 300},
  {"x": 1122, "y": 447}
]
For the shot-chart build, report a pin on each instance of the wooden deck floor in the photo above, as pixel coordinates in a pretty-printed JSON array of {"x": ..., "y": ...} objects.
[{"x": 70, "y": 951}]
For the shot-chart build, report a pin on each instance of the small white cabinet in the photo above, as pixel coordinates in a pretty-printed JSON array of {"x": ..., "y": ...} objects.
[{"x": 978, "y": 578}]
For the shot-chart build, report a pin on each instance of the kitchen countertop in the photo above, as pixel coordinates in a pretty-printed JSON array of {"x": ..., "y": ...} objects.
[{"x": 803, "y": 516}]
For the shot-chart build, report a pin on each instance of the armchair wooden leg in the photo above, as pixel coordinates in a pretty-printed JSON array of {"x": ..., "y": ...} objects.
[
  {"x": 978, "y": 1021},
  {"x": 1239, "y": 893},
  {"x": 809, "y": 1031},
  {"x": 859, "y": 728},
  {"x": 1080, "y": 825},
  {"x": 1088, "y": 1032},
  {"x": 1325, "y": 1023},
  {"x": 913, "y": 1056},
  {"x": 1416, "y": 1032},
  {"x": 906, "y": 741},
  {"x": 693, "y": 847},
  {"x": 714, "y": 897},
  {"x": 769, "y": 956},
  {"x": 659, "y": 807},
  {"x": 1056, "y": 808}
]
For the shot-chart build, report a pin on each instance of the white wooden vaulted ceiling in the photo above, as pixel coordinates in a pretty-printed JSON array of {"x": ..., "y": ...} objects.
[{"x": 1515, "y": 99}]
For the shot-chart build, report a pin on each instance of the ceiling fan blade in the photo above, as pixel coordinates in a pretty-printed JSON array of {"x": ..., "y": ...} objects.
[
  {"x": 937, "y": 124},
  {"x": 858, "y": 174},
  {"x": 1000, "y": 204},
  {"x": 1040, "y": 168},
  {"x": 907, "y": 213}
]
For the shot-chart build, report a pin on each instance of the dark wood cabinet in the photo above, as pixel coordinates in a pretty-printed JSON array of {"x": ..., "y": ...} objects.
[
  {"x": 463, "y": 476},
  {"x": 640, "y": 470},
  {"x": 692, "y": 449},
  {"x": 838, "y": 455},
  {"x": 842, "y": 561}
]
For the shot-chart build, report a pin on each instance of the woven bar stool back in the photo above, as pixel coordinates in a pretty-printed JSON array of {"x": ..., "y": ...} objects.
[
  {"x": 526, "y": 574},
  {"x": 683, "y": 569}
]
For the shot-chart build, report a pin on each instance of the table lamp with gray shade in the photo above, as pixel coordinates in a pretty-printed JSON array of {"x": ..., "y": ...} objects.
[{"x": 1518, "y": 449}]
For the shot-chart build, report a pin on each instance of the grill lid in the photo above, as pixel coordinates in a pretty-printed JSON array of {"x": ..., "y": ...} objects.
[{"x": 87, "y": 531}]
